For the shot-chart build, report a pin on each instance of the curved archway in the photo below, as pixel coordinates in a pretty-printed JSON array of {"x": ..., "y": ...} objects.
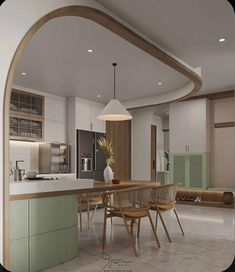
[{"x": 116, "y": 27}]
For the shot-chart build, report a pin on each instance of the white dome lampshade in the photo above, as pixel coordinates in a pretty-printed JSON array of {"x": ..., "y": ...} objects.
[{"x": 114, "y": 111}]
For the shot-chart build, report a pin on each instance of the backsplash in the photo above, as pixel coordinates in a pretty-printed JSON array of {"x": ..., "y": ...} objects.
[{"x": 27, "y": 151}]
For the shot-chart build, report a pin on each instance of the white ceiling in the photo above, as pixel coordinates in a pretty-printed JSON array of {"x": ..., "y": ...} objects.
[{"x": 57, "y": 61}]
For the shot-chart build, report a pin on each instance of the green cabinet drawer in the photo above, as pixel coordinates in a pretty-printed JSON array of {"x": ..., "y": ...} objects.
[
  {"x": 19, "y": 227},
  {"x": 19, "y": 257},
  {"x": 46, "y": 250},
  {"x": 71, "y": 210},
  {"x": 71, "y": 243},
  {"x": 47, "y": 214}
]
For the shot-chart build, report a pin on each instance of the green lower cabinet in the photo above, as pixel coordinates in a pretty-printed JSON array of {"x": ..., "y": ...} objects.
[
  {"x": 71, "y": 243},
  {"x": 190, "y": 169},
  {"x": 19, "y": 256},
  {"x": 44, "y": 232},
  {"x": 46, "y": 250}
]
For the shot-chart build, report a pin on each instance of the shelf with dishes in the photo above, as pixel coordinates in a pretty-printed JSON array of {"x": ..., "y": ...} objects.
[
  {"x": 26, "y": 104},
  {"x": 26, "y": 129},
  {"x": 26, "y": 116}
]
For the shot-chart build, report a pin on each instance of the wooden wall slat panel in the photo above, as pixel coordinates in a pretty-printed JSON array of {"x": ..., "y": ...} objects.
[{"x": 120, "y": 135}]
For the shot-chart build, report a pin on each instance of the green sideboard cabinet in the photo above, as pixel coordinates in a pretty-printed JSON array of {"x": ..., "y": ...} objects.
[
  {"x": 190, "y": 170},
  {"x": 43, "y": 232}
]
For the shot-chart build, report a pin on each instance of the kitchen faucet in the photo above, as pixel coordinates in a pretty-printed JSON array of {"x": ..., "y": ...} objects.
[{"x": 18, "y": 173}]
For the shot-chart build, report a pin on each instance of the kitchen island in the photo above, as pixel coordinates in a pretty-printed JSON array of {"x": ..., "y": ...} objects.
[{"x": 44, "y": 222}]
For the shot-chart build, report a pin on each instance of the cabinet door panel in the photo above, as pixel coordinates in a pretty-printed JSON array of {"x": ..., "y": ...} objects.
[
  {"x": 178, "y": 127},
  {"x": 52, "y": 214},
  {"x": 19, "y": 257},
  {"x": 55, "y": 132},
  {"x": 179, "y": 169},
  {"x": 55, "y": 109},
  {"x": 196, "y": 171},
  {"x": 82, "y": 115},
  {"x": 197, "y": 125},
  {"x": 47, "y": 249},
  {"x": 97, "y": 125}
]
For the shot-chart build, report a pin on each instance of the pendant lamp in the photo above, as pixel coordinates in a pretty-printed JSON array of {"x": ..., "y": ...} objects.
[{"x": 114, "y": 110}]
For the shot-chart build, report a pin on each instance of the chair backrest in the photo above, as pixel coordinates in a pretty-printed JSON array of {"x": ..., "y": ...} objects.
[
  {"x": 138, "y": 197},
  {"x": 165, "y": 194}
]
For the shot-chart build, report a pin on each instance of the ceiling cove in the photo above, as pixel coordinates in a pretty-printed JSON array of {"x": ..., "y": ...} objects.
[{"x": 193, "y": 74}]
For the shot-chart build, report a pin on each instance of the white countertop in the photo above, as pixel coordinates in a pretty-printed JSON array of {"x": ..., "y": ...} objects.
[{"x": 42, "y": 186}]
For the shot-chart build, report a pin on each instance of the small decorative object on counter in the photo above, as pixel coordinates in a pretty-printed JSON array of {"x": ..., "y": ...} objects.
[{"x": 106, "y": 147}]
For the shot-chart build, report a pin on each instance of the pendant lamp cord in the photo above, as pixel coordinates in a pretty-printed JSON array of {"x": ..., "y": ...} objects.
[{"x": 114, "y": 80}]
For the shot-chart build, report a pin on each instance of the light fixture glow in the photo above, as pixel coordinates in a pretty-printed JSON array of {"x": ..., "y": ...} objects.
[
  {"x": 114, "y": 110},
  {"x": 159, "y": 83},
  {"x": 90, "y": 50},
  {"x": 24, "y": 74},
  {"x": 222, "y": 40},
  {"x": 98, "y": 95}
]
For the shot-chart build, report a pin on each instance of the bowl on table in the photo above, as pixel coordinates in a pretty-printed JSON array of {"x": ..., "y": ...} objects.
[{"x": 115, "y": 181}]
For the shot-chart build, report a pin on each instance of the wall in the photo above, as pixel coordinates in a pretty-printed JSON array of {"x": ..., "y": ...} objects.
[
  {"x": 141, "y": 143},
  {"x": 27, "y": 151},
  {"x": 223, "y": 144}
]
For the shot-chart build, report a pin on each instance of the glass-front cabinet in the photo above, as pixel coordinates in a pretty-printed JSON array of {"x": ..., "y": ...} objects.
[{"x": 26, "y": 116}]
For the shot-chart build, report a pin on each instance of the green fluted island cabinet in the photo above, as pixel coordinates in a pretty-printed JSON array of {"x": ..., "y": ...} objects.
[{"x": 43, "y": 232}]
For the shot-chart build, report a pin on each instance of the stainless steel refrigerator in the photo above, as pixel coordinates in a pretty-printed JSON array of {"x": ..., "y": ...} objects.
[{"x": 90, "y": 158}]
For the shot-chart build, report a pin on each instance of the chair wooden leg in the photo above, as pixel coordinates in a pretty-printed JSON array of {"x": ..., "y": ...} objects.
[
  {"x": 80, "y": 214},
  {"x": 178, "y": 221},
  {"x": 104, "y": 229},
  {"x": 130, "y": 236},
  {"x": 154, "y": 232},
  {"x": 138, "y": 232},
  {"x": 88, "y": 214},
  {"x": 156, "y": 221},
  {"x": 93, "y": 212},
  {"x": 164, "y": 226},
  {"x": 132, "y": 224}
]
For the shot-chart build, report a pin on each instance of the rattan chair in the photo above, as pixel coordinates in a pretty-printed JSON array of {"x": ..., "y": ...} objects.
[
  {"x": 88, "y": 200},
  {"x": 164, "y": 200},
  {"x": 130, "y": 205}
]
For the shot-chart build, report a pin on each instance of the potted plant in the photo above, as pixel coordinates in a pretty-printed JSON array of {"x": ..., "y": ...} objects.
[{"x": 106, "y": 147}]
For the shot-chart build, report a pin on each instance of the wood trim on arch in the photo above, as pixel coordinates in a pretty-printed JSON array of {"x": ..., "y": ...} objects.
[{"x": 109, "y": 23}]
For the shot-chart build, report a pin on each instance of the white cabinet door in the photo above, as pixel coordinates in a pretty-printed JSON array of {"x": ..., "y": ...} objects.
[
  {"x": 197, "y": 125},
  {"x": 55, "y": 109},
  {"x": 83, "y": 115},
  {"x": 54, "y": 132},
  {"x": 97, "y": 125},
  {"x": 178, "y": 125}
]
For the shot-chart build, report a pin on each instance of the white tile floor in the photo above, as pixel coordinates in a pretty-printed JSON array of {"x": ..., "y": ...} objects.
[{"x": 208, "y": 244}]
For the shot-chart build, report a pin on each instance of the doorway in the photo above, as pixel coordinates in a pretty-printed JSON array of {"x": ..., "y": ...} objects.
[{"x": 153, "y": 152}]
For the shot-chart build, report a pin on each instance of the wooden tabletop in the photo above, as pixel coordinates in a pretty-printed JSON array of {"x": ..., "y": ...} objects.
[{"x": 98, "y": 186}]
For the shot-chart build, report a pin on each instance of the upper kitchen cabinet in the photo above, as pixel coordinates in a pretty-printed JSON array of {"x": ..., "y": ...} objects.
[
  {"x": 190, "y": 126},
  {"x": 86, "y": 112},
  {"x": 55, "y": 119},
  {"x": 26, "y": 116}
]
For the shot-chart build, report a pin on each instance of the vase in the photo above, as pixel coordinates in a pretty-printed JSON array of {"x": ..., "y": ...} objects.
[{"x": 108, "y": 174}]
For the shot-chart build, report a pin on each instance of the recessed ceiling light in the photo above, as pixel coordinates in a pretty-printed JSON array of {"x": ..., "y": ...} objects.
[
  {"x": 159, "y": 83},
  {"x": 222, "y": 40},
  {"x": 24, "y": 74},
  {"x": 98, "y": 95},
  {"x": 90, "y": 50}
]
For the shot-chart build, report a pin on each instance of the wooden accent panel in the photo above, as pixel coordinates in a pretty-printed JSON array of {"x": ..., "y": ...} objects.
[
  {"x": 214, "y": 96},
  {"x": 224, "y": 124},
  {"x": 120, "y": 135}
]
